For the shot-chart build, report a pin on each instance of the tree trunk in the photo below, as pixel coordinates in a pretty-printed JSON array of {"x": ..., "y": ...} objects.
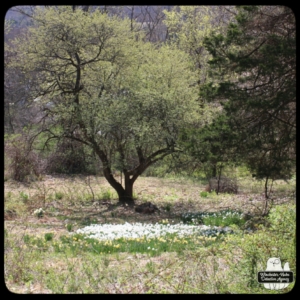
[
  {"x": 125, "y": 195},
  {"x": 214, "y": 170}
]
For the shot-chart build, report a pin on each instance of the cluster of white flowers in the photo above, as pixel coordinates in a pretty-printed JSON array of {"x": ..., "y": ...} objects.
[
  {"x": 38, "y": 212},
  {"x": 137, "y": 230},
  {"x": 197, "y": 217}
]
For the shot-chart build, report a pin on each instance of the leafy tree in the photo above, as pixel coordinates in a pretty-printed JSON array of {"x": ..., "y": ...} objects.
[
  {"x": 187, "y": 28},
  {"x": 15, "y": 86},
  {"x": 253, "y": 69},
  {"x": 213, "y": 146},
  {"x": 100, "y": 85}
]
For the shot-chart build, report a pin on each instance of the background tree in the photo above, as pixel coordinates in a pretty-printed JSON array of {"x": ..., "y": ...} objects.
[
  {"x": 99, "y": 85},
  {"x": 148, "y": 18},
  {"x": 213, "y": 146},
  {"x": 188, "y": 26},
  {"x": 254, "y": 78},
  {"x": 16, "y": 86}
]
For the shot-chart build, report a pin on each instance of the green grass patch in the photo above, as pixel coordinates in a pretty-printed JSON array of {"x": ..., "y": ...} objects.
[
  {"x": 222, "y": 218},
  {"x": 106, "y": 195},
  {"x": 78, "y": 244},
  {"x": 203, "y": 194},
  {"x": 59, "y": 195},
  {"x": 48, "y": 236},
  {"x": 24, "y": 196}
]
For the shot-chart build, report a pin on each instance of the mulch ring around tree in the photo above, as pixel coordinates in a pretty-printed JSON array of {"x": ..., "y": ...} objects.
[{"x": 146, "y": 208}]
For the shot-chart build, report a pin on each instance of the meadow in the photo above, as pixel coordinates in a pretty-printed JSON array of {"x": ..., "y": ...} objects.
[{"x": 67, "y": 234}]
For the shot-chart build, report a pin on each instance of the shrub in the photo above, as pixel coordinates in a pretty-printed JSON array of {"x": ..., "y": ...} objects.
[
  {"x": 71, "y": 157},
  {"x": 48, "y": 236},
  {"x": 254, "y": 250},
  {"x": 223, "y": 185},
  {"x": 21, "y": 160}
]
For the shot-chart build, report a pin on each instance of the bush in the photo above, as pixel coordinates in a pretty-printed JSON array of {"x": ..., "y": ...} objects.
[
  {"x": 283, "y": 220},
  {"x": 223, "y": 185},
  {"x": 21, "y": 162},
  {"x": 71, "y": 157},
  {"x": 254, "y": 250}
]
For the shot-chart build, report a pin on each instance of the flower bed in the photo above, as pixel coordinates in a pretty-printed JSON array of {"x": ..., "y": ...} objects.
[
  {"x": 137, "y": 230},
  {"x": 222, "y": 218}
]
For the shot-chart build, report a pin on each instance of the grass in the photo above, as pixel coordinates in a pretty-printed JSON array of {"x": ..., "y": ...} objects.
[
  {"x": 222, "y": 218},
  {"x": 59, "y": 195},
  {"x": 24, "y": 196},
  {"x": 203, "y": 194},
  {"x": 69, "y": 227},
  {"x": 46, "y": 255},
  {"x": 106, "y": 195},
  {"x": 79, "y": 244}
]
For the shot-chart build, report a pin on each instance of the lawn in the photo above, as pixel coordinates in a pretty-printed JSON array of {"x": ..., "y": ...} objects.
[{"x": 67, "y": 234}]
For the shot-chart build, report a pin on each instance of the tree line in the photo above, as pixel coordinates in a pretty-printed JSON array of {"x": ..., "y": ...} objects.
[{"x": 132, "y": 86}]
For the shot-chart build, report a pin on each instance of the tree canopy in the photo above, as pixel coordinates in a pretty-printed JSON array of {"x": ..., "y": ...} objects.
[
  {"x": 98, "y": 83},
  {"x": 187, "y": 28},
  {"x": 134, "y": 86},
  {"x": 253, "y": 71}
]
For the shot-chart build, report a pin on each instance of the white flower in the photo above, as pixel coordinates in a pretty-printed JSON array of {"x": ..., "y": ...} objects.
[
  {"x": 138, "y": 230},
  {"x": 38, "y": 212}
]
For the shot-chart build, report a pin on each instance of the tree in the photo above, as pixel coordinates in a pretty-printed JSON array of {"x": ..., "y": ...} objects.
[
  {"x": 14, "y": 94},
  {"x": 253, "y": 69},
  {"x": 187, "y": 28},
  {"x": 149, "y": 18},
  {"x": 98, "y": 84},
  {"x": 213, "y": 145}
]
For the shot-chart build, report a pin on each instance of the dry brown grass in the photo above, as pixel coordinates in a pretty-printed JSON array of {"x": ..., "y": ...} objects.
[{"x": 81, "y": 198}]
